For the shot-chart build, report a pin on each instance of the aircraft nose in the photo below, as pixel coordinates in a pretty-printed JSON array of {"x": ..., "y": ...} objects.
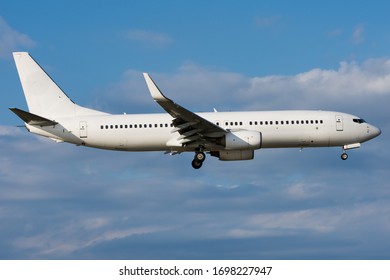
[{"x": 374, "y": 131}]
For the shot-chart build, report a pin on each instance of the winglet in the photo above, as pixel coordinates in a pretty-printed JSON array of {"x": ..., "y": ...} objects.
[{"x": 154, "y": 90}]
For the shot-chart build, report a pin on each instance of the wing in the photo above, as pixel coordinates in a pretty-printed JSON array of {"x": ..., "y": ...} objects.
[{"x": 193, "y": 129}]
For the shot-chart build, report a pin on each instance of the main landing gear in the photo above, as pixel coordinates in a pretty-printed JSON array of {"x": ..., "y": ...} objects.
[{"x": 199, "y": 158}]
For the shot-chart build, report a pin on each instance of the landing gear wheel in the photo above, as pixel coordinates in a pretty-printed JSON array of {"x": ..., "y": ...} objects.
[
  {"x": 196, "y": 164},
  {"x": 344, "y": 156},
  {"x": 200, "y": 156}
]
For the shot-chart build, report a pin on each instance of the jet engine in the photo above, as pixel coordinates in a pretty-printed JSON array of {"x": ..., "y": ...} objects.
[
  {"x": 229, "y": 155},
  {"x": 242, "y": 140}
]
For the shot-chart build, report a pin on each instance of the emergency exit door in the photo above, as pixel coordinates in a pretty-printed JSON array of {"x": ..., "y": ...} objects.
[{"x": 83, "y": 129}]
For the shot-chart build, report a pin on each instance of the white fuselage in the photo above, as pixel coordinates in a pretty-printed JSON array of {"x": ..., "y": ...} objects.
[{"x": 153, "y": 132}]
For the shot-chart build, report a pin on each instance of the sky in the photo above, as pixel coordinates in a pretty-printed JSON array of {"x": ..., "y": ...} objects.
[{"x": 59, "y": 201}]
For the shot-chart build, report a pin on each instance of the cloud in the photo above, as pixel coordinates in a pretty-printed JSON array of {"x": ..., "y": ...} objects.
[
  {"x": 47, "y": 243},
  {"x": 358, "y": 34},
  {"x": 12, "y": 40},
  {"x": 149, "y": 38},
  {"x": 9, "y": 131},
  {"x": 349, "y": 87},
  {"x": 320, "y": 221}
]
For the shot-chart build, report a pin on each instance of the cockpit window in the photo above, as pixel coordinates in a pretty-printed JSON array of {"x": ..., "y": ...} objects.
[{"x": 359, "y": 120}]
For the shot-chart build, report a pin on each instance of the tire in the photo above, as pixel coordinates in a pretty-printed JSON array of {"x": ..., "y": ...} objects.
[
  {"x": 200, "y": 156},
  {"x": 196, "y": 164}
]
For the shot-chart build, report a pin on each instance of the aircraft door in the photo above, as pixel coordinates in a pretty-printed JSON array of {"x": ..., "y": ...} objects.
[
  {"x": 339, "y": 123},
  {"x": 83, "y": 129}
]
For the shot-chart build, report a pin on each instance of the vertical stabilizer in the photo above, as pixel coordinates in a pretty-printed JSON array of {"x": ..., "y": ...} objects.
[{"x": 44, "y": 97}]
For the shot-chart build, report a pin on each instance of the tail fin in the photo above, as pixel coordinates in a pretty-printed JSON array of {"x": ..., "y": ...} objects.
[{"x": 44, "y": 97}]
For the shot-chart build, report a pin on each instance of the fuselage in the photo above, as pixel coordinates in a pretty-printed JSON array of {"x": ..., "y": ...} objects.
[{"x": 153, "y": 132}]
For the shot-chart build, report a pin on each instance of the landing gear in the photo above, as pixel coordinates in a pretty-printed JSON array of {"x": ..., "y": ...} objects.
[
  {"x": 196, "y": 164},
  {"x": 199, "y": 158},
  {"x": 344, "y": 156}
]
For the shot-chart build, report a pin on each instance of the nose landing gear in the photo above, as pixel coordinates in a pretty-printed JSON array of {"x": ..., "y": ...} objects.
[{"x": 344, "y": 156}]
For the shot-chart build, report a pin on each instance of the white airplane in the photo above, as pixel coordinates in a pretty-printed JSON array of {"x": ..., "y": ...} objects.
[{"x": 225, "y": 135}]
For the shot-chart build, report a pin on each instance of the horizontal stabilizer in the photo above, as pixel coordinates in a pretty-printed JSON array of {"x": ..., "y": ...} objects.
[{"x": 32, "y": 119}]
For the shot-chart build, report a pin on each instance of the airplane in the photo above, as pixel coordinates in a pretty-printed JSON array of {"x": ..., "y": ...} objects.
[{"x": 229, "y": 136}]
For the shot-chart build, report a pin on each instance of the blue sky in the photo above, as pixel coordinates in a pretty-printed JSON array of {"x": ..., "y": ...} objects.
[{"x": 59, "y": 201}]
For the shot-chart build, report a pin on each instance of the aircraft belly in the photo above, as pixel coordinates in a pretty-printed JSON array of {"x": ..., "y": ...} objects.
[
  {"x": 290, "y": 139},
  {"x": 128, "y": 141}
]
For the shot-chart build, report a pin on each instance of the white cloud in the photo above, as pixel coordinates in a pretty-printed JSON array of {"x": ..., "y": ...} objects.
[
  {"x": 198, "y": 88},
  {"x": 351, "y": 79},
  {"x": 66, "y": 239},
  {"x": 12, "y": 40},
  {"x": 149, "y": 38},
  {"x": 346, "y": 219},
  {"x": 358, "y": 34},
  {"x": 9, "y": 131}
]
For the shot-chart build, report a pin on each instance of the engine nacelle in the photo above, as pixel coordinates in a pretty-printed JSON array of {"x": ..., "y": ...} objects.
[
  {"x": 242, "y": 140},
  {"x": 234, "y": 155}
]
